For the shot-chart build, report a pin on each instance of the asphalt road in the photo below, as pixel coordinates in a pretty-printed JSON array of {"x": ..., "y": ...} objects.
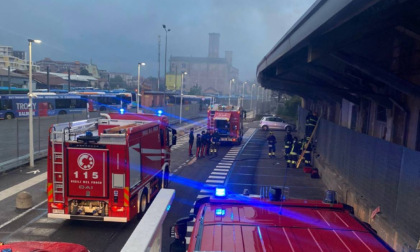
[{"x": 237, "y": 167}]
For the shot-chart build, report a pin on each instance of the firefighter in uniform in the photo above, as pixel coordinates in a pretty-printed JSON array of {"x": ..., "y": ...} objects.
[
  {"x": 288, "y": 141},
  {"x": 311, "y": 120},
  {"x": 271, "y": 139},
  {"x": 191, "y": 141},
  {"x": 293, "y": 153},
  {"x": 307, "y": 154},
  {"x": 208, "y": 137},
  {"x": 198, "y": 145},
  {"x": 203, "y": 143},
  {"x": 215, "y": 138}
]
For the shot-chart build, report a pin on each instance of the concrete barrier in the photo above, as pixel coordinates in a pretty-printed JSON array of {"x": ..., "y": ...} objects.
[
  {"x": 24, "y": 200},
  {"x": 148, "y": 234}
]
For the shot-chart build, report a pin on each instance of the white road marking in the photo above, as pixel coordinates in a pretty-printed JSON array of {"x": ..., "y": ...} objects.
[
  {"x": 223, "y": 166},
  {"x": 222, "y": 170},
  {"x": 215, "y": 181},
  {"x": 217, "y": 177},
  {"x": 22, "y": 186},
  {"x": 22, "y": 214},
  {"x": 219, "y": 173}
]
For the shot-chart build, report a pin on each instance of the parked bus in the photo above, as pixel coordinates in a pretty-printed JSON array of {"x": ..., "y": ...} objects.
[
  {"x": 101, "y": 101},
  {"x": 45, "y": 104}
]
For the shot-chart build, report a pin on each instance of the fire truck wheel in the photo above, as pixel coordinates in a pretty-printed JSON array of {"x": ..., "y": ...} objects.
[
  {"x": 166, "y": 179},
  {"x": 143, "y": 204}
]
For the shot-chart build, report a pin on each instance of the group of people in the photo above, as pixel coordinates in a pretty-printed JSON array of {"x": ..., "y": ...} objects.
[
  {"x": 206, "y": 143},
  {"x": 292, "y": 146},
  {"x": 293, "y": 149}
]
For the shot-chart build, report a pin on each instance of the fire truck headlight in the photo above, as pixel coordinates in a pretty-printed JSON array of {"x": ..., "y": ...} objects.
[
  {"x": 220, "y": 192},
  {"x": 220, "y": 212},
  {"x": 121, "y": 111}
]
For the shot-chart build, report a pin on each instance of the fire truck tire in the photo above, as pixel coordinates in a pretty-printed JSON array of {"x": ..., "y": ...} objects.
[
  {"x": 166, "y": 178},
  {"x": 143, "y": 204}
]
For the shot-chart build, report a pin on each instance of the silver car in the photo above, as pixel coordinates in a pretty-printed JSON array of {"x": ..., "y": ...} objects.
[{"x": 272, "y": 123}]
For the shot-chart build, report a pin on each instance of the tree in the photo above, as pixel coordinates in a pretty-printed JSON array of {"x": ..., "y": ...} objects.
[
  {"x": 117, "y": 82},
  {"x": 84, "y": 71},
  {"x": 195, "y": 90}
]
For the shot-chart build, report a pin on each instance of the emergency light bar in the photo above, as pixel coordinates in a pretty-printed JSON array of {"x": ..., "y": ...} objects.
[
  {"x": 220, "y": 212},
  {"x": 159, "y": 112},
  {"x": 121, "y": 111},
  {"x": 220, "y": 192}
]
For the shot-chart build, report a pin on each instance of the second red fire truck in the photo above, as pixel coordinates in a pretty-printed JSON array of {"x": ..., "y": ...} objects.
[
  {"x": 228, "y": 121},
  {"x": 108, "y": 169}
]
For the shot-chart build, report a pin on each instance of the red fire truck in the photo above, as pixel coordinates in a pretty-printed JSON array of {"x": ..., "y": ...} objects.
[
  {"x": 108, "y": 168},
  {"x": 254, "y": 223},
  {"x": 228, "y": 121}
]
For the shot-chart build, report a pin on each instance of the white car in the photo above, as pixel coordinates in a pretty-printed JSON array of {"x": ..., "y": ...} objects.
[{"x": 273, "y": 123}]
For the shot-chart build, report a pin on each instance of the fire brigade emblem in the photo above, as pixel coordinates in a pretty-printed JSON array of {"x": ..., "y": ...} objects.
[{"x": 85, "y": 161}]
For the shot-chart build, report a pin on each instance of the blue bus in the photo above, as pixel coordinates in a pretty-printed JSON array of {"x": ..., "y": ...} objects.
[{"x": 45, "y": 104}]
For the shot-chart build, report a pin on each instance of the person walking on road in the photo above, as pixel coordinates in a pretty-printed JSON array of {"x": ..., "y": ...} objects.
[
  {"x": 198, "y": 146},
  {"x": 191, "y": 141},
  {"x": 288, "y": 141},
  {"x": 271, "y": 139}
]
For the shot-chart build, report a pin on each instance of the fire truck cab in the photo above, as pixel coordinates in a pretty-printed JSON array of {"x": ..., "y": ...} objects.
[
  {"x": 274, "y": 223},
  {"x": 108, "y": 168},
  {"x": 228, "y": 121}
]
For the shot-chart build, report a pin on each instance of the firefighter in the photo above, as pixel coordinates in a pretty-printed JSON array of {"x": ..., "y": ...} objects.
[
  {"x": 198, "y": 145},
  {"x": 293, "y": 153},
  {"x": 208, "y": 137},
  {"x": 311, "y": 120},
  {"x": 191, "y": 141},
  {"x": 307, "y": 154},
  {"x": 288, "y": 141},
  {"x": 215, "y": 138},
  {"x": 271, "y": 139},
  {"x": 203, "y": 143}
]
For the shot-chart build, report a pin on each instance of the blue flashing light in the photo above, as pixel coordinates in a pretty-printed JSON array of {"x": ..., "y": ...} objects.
[
  {"x": 168, "y": 207},
  {"x": 220, "y": 212},
  {"x": 159, "y": 112},
  {"x": 220, "y": 192},
  {"x": 122, "y": 111}
]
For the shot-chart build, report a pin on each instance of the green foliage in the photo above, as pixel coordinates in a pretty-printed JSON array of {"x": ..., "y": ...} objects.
[
  {"x": 290, "y": 108},
  {"x": 195, "y": 90},
  {"x": 117, "y": 82}
]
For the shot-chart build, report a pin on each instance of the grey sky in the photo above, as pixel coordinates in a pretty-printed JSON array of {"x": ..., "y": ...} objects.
[{"x": 116, "y": 34}]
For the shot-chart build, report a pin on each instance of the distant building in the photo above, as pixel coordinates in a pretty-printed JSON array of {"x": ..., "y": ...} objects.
[
  {"x": 61, "y": 66},
  {"x": 14, "y": 59},
  {"x": 206, "y": 72}
]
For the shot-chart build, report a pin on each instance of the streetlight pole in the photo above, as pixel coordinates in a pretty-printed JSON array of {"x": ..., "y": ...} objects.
[
  {"x": 230, "y": 88},
  {"x": 138, "y": 85},
  {"x": 31, "y": 122},
  {"x": 243, "y": 93},
  {"x": 252, "y": 87},
  {"x": 180, "y": 104},
  {"x": 166, "y": 49}
]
